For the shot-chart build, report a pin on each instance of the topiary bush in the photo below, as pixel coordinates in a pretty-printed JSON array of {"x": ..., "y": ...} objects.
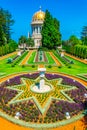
[{"x": 49, "y": 66}]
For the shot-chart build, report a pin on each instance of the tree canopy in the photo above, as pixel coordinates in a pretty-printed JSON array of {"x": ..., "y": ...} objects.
[
  {"x": 84, "y": 35},
  {"x": 51, "y": 36},
  {"x": 26, "y": 41},
  {"x": 74, "y": 40},
  {"x": 6, "y": 22}
]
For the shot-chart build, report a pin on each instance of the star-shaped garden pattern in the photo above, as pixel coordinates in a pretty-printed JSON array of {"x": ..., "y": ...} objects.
[{"x": 42, "y": 100}]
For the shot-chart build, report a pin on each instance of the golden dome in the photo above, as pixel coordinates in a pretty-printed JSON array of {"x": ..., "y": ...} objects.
[{"x": 40, "y": 15}]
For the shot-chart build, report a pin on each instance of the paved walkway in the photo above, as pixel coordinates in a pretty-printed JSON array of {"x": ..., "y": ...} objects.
[
  {"x": 41, "y": 66},
  {"x": 24, "y": 61},
  {"x": 55, "y": 59},
  {"x": 78, "y": 59},
  {"x": 7, "y": 125}
]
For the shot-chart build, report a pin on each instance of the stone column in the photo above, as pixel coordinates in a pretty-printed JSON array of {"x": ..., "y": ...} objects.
[
  {"x": 39, "y": 29},
  {"x": 35, "y": 30},
  {"x": 32, "y": 30}
]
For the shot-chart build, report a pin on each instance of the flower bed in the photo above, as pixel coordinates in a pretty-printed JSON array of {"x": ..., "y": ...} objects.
[
  {"x": 19, "y": 58},
  {"x": 29, "y": 109},
  {"x": 17, "y": 80},
  {"x": 65, "y": 81},
  {"x": 41, "y": 57},
  {"x": 63, "y": 59},
  {"x": 58, "y": 109}
]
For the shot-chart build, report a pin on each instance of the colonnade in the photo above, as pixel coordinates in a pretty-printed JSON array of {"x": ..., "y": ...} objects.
[{"x": 36, "y": 29}]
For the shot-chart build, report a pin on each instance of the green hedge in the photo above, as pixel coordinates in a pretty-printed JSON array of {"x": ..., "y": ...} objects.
[
  {"x": 8, "y": 48},
  {"x": 19, "y": 58},
  {"x": 80, "y": 51}
]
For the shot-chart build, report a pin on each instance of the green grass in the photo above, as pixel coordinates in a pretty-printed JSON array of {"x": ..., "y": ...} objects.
[
  {"x": 50, "y": 59},
  {"x": 76, "y": 68},
  {"x": 32, "y": 57},
  {"x": 7, "y": 69}
]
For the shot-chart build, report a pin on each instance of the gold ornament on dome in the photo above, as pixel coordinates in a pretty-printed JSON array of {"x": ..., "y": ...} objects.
[{"x": 40, "y": 15}]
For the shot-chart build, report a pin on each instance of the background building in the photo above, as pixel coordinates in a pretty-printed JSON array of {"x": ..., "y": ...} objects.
[{"x": 36, "y": 25}]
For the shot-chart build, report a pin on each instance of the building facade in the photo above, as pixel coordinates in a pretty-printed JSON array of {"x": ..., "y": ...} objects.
[{"x": 36, "y": 25}]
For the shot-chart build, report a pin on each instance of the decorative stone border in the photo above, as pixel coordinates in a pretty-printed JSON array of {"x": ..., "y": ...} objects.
[{"x": 51, "y": 125}]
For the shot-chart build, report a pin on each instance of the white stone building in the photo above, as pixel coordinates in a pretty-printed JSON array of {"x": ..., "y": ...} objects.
[{"x": 36, "y": 25}]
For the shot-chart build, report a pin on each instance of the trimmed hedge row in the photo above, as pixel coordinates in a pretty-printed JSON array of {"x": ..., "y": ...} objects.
[
  {"x": 63, "y": 59},
  {"x": 19, "y": 58},
  {"x": 8, "y": 48},
  {"x": 80, "y": 51},
  {"x": 77, "y": 50}
]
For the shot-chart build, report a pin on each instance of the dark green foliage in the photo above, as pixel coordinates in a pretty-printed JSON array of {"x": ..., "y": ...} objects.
[
  {"x": 6, "y": 22},
  {"x": 9, "y": 60},
  {"x": 22, "y": 41},
  {"x": 74, "y": 46},
  {"x": 19, "y": 59},
  {"x": 30, "y": 42},
  {"x": 51, "y": 36},
  {"x": 80, "y": 51},
  {"x": 69, "y": 66},
  {"x": 71, "y": 43},
  {"x": 84, "y": 35},
  {"x": 26, "y": 42},
  {"x": 49, "y": 66},
  {"x": 42, "y": 48},
  {"x": 71, "y": 62},
  {"x": 8, "y": 48},
  {"x": 23, "y": 66},
  {"x": 2, "y": 36},
  {"x": 33, "y": 66}
]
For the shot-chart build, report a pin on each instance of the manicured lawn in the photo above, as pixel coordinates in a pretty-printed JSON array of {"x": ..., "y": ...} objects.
[
  {"x": 76, "y": 68},
  {"x": 7, "y": 69},
  {"x": 50, "y": 59},
  {"x": 32, "y": 57}
]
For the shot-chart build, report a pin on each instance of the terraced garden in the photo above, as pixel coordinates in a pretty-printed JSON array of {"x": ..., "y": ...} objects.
[{"x": 64, "y": 104}]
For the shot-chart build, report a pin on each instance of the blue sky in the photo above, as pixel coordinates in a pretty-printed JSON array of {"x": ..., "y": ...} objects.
[{"x": 72, "y": 15}]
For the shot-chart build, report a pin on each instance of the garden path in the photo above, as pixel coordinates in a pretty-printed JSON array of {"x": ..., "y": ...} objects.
[
  {"x": 55, "y": 59},
  {"x": 24, "y": 61},
  {"x": 77, "y": 125},
  {"x": 6, "y": 125},
  {"x": 41, "y": 66}
]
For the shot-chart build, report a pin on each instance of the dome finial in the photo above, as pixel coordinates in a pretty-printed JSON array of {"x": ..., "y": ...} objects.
[{"x": 40, "y": 8}]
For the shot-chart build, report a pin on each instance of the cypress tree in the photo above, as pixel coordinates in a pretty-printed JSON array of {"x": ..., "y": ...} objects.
[{"x": 50, "y": 32}]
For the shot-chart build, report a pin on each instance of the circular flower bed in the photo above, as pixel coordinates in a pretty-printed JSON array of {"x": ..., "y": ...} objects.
[{"x": 56, "y": 108}]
